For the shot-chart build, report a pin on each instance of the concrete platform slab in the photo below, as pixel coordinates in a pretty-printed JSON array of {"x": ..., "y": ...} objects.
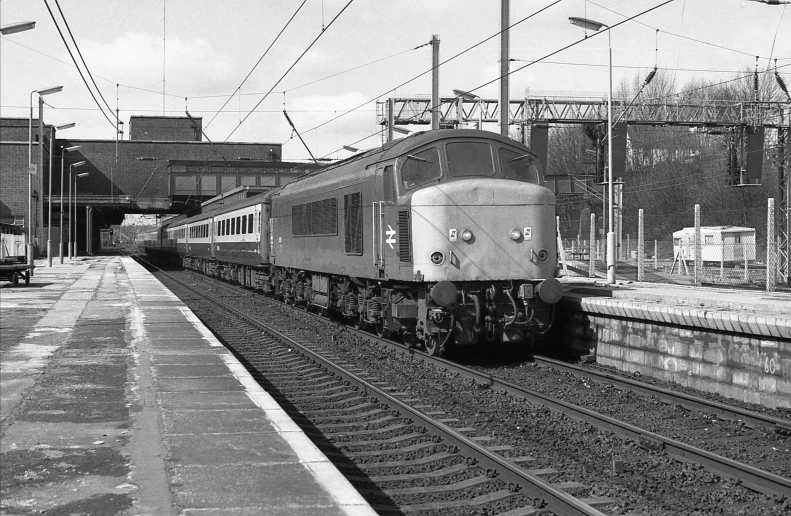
[{"x": 107, "y": 373}]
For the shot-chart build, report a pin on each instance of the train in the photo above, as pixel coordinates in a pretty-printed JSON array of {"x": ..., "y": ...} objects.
[{"x": 442, "y": 238}]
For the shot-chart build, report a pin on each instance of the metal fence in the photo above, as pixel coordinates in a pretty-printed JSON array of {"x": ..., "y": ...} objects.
[{"x": 721, "y": 256}]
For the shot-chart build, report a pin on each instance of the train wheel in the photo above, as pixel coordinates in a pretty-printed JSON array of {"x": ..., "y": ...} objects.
[
  {"x": 382, "y": 331},
  {"x": 324, "y": 311},
  {"x": 409, "y": 340},
  {"x": 14, "y": 279},
  {"x": 27, "y": 277},
  {"x": 435, "y": 345}
]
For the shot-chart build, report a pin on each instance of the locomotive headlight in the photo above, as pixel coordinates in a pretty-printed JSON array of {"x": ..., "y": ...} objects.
[
  {"x": 437, "y": 258},
  {"x": 515, "y": 234},
  {"x": 466, "y": 235}
]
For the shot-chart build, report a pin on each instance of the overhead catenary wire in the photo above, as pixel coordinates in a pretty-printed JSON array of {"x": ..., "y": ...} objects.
[
  {"x": 324, "y": 29},
  {"x": 511, "y": 72},
  {"x": 259, "y": 61},
  {"x": 74, "y": 41},
  {"x": 468, "y": 49},
  {"x": 52, "y": 15}
]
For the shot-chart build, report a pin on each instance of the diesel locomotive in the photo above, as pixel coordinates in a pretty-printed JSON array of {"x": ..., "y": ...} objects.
[{"x": 444, "y": 237}]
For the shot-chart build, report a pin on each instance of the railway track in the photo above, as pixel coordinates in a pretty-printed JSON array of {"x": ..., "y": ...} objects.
[
  {"x": 381, "y": 436},
  {"x": 775, "y": 485}
]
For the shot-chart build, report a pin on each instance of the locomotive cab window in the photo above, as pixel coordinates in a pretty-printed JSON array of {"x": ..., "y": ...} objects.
[
  {"x": 420, "y": 168},
  {"x": 520, "y": 166},
  {"x": 468, "y": 159}
]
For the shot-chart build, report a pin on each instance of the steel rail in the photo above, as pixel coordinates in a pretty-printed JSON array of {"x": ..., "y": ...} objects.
[
  {"x": 754, "y": 478},
  {"x": 557, "y": 501},
  {"x": 750, "y": 418}
]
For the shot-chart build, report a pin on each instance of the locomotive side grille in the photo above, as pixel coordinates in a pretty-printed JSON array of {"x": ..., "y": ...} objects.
[
  {"x": 404, "y": 232},
  {"x": 315, "y": 218},
  {"x": 353, "y": 223},
  {"x": 324, "y": 217},
  {"x": 300, "y": 219}
]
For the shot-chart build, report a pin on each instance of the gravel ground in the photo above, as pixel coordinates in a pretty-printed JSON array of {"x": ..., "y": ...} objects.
[{"x": 650, "y": 483}]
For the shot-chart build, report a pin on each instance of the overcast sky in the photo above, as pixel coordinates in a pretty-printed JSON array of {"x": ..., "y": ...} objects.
[{"x": 210, "y": 47}]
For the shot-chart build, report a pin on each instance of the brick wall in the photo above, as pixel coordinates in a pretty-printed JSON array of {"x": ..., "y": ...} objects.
[
  {"x": 748, "y": 367},
  {"x": 173, "y": 129}
]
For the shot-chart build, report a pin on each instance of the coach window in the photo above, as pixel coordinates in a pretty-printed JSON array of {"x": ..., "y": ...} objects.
[
  {"x": 470, "y": 159},
  {"x": 238, "y": 225},
  {"x": 420, "y": 168},
  {"x": 244, "y": 225},
  {"x": 250, "y": 223},
  {"x": 520, "y": 166}
]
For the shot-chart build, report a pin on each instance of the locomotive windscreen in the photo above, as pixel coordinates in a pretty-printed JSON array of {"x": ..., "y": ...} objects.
[
  {"x": 521, "y": 167},
  {"x": 470, "y": 159}
]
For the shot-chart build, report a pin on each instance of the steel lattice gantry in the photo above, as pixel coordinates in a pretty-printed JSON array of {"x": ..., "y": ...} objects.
[{"x": 540, "y": 108}]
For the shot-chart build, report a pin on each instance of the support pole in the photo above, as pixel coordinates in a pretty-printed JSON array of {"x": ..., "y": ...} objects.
[
  {"x": 435, "y": 81},
  {"x": 771, "y": 249},
  {"x": 640, "y": 247},
  {"x": 504, "y": 67},
  {"x": 698, "y": 248},
  {"x": 591, "y": 256}
]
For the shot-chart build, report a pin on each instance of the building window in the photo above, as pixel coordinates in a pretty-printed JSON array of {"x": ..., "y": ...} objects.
[
  {"x": 184, "y": 185},
  {"x": 247, "y": 180},
  {"x": 208, "y": 184},
  {"x": 228, "y": 183},
  {"x": 269, "y": 180}
]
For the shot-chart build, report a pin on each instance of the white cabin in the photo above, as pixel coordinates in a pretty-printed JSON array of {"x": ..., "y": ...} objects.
[{"x": 718, "y": 243}]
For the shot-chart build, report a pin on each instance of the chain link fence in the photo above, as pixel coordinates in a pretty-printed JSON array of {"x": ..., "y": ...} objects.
[{"x": 719, "y": 256}]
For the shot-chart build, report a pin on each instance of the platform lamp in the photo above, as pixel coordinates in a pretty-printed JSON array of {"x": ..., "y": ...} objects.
[
  {"x": 49, "y": 188},
  {"x": 41, "y": 93},
  {"x": 62, "y": 152},
  {"x": 465, "y": 95},
  {"x": 69, "y": 247},
  {"x": 13, "y": 28},
  {"x": 74, "y": 243},
  {"x": 596, "y": 26}
]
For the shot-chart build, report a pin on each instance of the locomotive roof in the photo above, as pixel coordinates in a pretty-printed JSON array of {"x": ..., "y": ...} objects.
[{"x": 401, "y": 146}]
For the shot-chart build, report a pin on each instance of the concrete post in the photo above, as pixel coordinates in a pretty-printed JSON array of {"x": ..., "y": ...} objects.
[
  {"x": 771, "y": 248},
  {"x": 698, "y": 248},
  {"x": 591, "y": 257},
  {"x": 656, "y": 257},
  {"x": 560, "y": 247},
  {"x": 640, "y": 247}
]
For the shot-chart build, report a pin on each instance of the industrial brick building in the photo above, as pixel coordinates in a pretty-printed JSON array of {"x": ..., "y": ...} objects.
[{"x": 164, "y": 167}]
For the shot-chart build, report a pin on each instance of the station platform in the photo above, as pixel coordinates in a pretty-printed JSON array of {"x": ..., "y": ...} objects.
[
  {"x": 115, "y": 399},
  {"x": 755, "y": 312}
]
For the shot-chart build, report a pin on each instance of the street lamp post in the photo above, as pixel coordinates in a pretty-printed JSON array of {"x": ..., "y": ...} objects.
[
  {"x": 596, "y": 26},
  {"x": 49, "y": 189},
  {"x": 69, "y": 246},
  {"x": 13, "y": 28},
  {"x": 461, "y": 94},
  {"x": 74, "y": 242},
  {"x": 41, "y": 93},
  {"x": 60, "y": 240}
]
